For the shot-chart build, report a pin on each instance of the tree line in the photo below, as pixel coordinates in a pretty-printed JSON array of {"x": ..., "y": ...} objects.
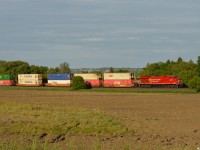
[
  {"x": 189, "y": 72},
  {"x": 20, "y": 67}
]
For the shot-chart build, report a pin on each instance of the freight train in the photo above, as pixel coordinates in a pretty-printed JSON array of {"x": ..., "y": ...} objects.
[{"x": 96, "y": 80}]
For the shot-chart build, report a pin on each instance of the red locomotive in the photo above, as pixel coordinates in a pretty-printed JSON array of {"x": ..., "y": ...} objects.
[{"x": 170, "y": 81}]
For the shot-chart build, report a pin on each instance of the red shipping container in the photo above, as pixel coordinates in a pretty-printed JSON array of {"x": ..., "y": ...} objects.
[
  {"x": 95, "y": 83},
  {"x": 6, "y": 82},
  {"x": 118, "y": 83}
]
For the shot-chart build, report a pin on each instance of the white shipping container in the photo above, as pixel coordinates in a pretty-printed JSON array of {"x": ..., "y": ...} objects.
[
  {"x": 89, "y": 76},
  {"x": 29, "y": 76},
  {"x": 59, "y": 81},
  {"x": 22, "y": 81},
  {"x": 114, "y": 76}
]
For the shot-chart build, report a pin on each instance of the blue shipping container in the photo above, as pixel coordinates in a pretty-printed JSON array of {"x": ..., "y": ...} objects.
[{"x": 60, "y": 76}]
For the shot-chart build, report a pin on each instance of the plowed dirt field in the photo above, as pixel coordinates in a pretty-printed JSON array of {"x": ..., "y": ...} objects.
[{"x": 157, "y": 121}]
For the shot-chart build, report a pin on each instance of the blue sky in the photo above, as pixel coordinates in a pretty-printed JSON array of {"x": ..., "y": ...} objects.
[{"x": 99, "y": 33}]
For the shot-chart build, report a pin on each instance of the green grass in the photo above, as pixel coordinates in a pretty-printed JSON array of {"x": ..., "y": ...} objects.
[
  {"x": 143, "y": 90},
  {"x": 40, "y": 88},
  {"x": 34, "y": 119},
  {"x": 29, "y": 122},
  {"x": 20, "y": 145},
  {"x": 108, "y": 90}
]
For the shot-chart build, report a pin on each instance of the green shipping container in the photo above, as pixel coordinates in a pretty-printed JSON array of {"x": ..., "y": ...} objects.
[{"x": 5, "y": 77}]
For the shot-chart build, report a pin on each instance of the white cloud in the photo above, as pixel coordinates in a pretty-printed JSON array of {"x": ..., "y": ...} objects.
[
  {"x": 162, "y": 51},
  {"x": 168, "y": 40},
  {"x": 94, "y": 39}
]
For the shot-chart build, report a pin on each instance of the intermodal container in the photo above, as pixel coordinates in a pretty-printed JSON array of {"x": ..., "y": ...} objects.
[
  {"x": 29, "y": 82},
  {"x": 95, "y": 83},
  {"x": 7, "y": 82},
  {"x": 59, "y": 81},
  {"x": 89, "y": 76},
  {"x": 117, "y": 76},
  {"x": 94, "y": 78},
  {"x": 29, "y": 76},
  {"x": 118, "y": 83},
  {"x": 5, "y": 77},
  {"x": 60, "y": 76}
]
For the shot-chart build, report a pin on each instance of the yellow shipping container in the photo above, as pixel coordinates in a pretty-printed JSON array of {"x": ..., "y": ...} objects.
[
  {"x": 29, "y": 81},
  {"x": 118, "y": 76},
  {"x": 89, "y": 76},
  {"x": 29, "y": 76}
]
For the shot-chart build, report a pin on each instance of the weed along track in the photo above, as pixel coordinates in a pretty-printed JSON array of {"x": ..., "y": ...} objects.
[{"x": 93, "y": 120}]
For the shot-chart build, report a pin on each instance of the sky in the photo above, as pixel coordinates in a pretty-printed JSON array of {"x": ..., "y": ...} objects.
[{"x": 99, "y": 33}]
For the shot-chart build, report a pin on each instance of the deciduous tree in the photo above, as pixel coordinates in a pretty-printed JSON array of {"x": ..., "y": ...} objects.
[{"x": 64, "y": 68}]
